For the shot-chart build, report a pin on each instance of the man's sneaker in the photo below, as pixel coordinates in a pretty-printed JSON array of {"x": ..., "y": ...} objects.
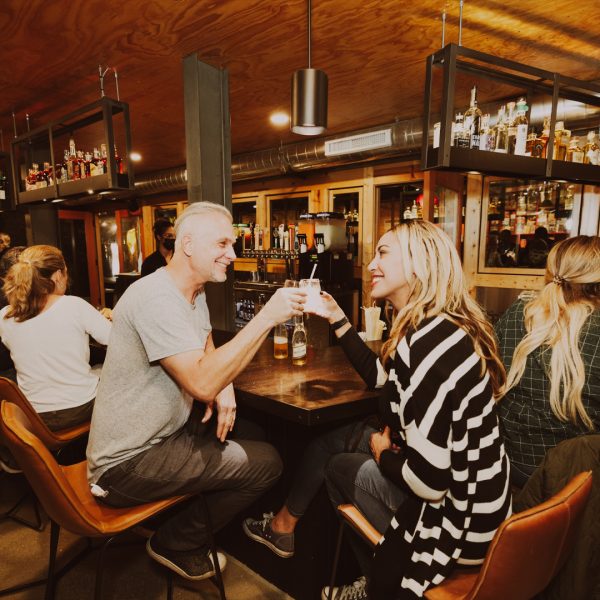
[
  {"x": 191, "y": 564},
  {"x": 355, "y": 591},
  {"x": 261, "y": 531}
]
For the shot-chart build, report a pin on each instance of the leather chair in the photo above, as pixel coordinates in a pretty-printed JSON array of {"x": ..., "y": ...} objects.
[
  {"x": 527, "y": 551},
  {"x": 65, "y": 495},
  {"x": 53, "y": 440}
]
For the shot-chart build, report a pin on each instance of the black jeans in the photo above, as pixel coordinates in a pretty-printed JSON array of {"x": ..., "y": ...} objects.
[{"x": 230, "y": 475}]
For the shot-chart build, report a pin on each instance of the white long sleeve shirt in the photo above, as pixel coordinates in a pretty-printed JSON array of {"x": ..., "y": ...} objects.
[{"x": 51, "y": 353}]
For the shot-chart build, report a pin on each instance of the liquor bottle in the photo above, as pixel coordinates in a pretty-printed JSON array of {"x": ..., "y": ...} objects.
[
  {"x": 501, "y": 132},
  {"x": 560, "y": 148},
  {"x": 39, "y": 177},
  {"x": 535, "y": 145},
  {"x": 511, "y": 127},
  {"x": 118, "y": 161},
  {"x": 88, "y": 164},
  {"x": 545, "y": 136},
  {"x": 485, "y": 133},
  {"x": 80, "y": 168},
  {"x": 280, "y": 341},
  {"x": 95, "y": 163},
  {"x": 299, "y": 342},
  {"x": 575, "y": 153},
  {"x": 461, "y": 135},
  {"x": 591, "y": 150},
  {"x": 472, "y": 121},
  {"x": 47, "y": 173},
  {"x": 104, "y": 158},
  {"x": 3, "y": 186},
  {"x": 67, "y": 168},
  {"x": 521, "y": 125}
]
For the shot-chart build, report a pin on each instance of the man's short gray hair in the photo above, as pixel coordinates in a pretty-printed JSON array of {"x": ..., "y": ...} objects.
[{"x": 199, "y": 209}]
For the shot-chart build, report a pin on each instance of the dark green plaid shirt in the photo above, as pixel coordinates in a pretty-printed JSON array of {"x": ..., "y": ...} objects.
[{"x": 529, "y": 425}]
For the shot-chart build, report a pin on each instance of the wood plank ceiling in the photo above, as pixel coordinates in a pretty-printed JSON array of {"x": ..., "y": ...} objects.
[{"x": 372, "y": 50}]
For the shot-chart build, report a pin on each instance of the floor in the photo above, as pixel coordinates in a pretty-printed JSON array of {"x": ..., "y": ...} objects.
[{"x": 130, "y": 573}]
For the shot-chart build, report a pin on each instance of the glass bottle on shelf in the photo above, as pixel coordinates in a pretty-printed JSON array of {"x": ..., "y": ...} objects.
[
  {"x": 575, "y": 152},
  {"x": 501, "y": 132},
  {"x": 104, "y": 157},
  {"x": 461, "y": 135},
  {"x": 545, "y": 136},
  {"x": 299, "y": 342},
  {"x": 521, "y": 125},
  {"x": 118, "y": 161},
  {"x": 472, "y": 121},
  {"x": 511, "y": 127},
  {"x": 484, "y": 134},
  {"x": 591, "y": 150},
  {"x": 560, "y": 148},
  {"x": 81, "y": 162}
]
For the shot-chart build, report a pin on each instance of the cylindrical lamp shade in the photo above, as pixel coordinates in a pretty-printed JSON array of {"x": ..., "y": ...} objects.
[{"x": 309, "y": 102}]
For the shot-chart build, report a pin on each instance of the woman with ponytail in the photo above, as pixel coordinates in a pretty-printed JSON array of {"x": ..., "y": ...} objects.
[
  {"x": 47, "y": 334},
  {"x": 550, "y": 346}
]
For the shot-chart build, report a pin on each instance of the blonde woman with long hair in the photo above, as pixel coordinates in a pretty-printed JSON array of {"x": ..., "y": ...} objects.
[
  {"x": 550, "y": 346},
  {"x": 433, "y": 475},
  {"x": 47, "y": 333}
]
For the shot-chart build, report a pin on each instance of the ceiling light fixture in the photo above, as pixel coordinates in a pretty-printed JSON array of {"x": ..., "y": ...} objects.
[
  {"x": 279, "y": 118},
  {"x": 135, "y": 156},
  {"x": 309, "y": 96}
]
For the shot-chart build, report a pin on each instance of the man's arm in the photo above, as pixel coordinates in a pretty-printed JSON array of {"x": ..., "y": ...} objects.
[{"x": 204, "y": 374}]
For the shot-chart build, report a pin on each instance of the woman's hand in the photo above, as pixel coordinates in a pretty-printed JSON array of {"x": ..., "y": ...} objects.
[
  {"x": 330, "y": 309},
  {"x": 380, "y": 441},
  {"x": 106, "y": 313}
]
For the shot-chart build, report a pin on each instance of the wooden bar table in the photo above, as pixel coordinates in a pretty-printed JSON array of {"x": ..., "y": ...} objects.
[{"x": 324, "y": 390}]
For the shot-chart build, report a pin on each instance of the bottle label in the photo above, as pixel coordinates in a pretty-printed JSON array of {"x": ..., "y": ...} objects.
[
  {"x": 299, "y": 351},
  {"x": 577, "y": 157},
  {"x": 521, "y": 139}
]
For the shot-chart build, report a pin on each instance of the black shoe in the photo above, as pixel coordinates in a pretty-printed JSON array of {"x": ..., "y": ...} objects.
[
  {"x": 260, "y": 530},
  {"x": 190, "y": 564}
]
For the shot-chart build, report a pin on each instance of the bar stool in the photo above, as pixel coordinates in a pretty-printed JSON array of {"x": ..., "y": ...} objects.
[
  {"x": 65, "y": 495},
  {"x": 55, "y": 441},
  {"x": 527, "y": 551}
]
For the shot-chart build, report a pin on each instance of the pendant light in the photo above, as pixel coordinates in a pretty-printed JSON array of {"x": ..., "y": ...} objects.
[{"x": 309, "y": 96}]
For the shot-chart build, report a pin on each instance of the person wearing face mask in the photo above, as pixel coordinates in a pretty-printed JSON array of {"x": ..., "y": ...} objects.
[
  {"x": 432, "y": 475},
  {"x": 47, "y": 333},
  {"x": 164, "y": 233}
]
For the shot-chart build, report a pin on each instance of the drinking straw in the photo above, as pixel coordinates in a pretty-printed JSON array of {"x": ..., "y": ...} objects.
[{"x": 313, "y": 271}]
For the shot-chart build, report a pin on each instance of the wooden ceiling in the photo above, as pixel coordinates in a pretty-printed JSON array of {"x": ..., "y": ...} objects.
[{"x": 372, "y": 50}]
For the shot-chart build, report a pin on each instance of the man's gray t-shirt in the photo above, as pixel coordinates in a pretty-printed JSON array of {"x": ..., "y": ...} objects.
[{"x": 138, "y": 404}]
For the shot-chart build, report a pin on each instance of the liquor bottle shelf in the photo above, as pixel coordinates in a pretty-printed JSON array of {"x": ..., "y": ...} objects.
[{"x": 457, "y": 145}]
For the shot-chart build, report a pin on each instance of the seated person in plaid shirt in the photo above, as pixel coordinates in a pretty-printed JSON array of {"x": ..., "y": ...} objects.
[{"x": 550, "y": 347}]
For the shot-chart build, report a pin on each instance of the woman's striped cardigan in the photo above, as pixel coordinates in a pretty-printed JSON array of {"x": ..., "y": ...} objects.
[{"x": 437, "y": 397}]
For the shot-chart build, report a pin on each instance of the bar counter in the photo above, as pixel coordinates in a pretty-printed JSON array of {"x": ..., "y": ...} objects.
[{"x": 324, "y": 390}]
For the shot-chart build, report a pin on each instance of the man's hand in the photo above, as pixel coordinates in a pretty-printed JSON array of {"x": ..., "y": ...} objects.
[
  {"x": 284, "y": 304},
  {"x": 225, "y": 403},
  {"x": 380, "y": 441}
]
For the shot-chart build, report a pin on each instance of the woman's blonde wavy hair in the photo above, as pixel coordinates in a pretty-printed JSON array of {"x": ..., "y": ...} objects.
[
  {"x": 438, "y": 287},
  {"x": 553, "y": 320},
  {"x": 29, "y": 281}
]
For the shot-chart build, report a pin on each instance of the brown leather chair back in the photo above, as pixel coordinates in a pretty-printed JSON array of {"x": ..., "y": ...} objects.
[
  {"x": 530, "y": 547},
  {"x": 44, "y": 474},
  {"x": 53, "y": 440}
]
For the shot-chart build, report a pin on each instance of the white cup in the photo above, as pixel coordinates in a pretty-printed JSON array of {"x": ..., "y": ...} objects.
[{"x": 313, "y": 302}]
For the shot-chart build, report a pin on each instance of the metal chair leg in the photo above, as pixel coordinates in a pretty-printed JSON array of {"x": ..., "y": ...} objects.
[
  {"x": 100, "y": 567},
  {"x": 169, "y": 584},
  {"x": 12, "y": 513},
  {"x": 50, "y": 583},
  {"x": 336, "y": 558},
  {"x": 213, "y": 547}
]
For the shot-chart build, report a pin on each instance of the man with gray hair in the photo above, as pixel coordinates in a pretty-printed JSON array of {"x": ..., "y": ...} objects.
[{"x": 148, "y": 440}]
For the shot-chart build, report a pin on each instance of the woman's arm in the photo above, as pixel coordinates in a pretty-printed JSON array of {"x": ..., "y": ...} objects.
[{"x": 94, "y": 323}]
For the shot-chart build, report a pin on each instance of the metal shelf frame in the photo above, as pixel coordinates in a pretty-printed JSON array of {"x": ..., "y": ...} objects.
[{"x": 453, "y": 59}]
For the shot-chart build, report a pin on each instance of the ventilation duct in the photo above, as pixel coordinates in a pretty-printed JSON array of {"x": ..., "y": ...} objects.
[
  {"x": 311, "y": 154},
  {"x": 400, "y": 139}
]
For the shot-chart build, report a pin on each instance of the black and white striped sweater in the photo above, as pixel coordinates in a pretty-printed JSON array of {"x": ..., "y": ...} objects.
[{"x": 452, "y": 461}]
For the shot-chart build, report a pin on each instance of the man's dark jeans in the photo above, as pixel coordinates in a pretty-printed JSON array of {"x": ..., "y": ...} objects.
[{"x": 230, "y": 475}]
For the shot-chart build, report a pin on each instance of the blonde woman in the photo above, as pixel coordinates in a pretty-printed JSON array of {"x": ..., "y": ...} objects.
[
  {"x": 434, "y": 475},
  {"x": 550, "y": 346},
  {"x": 47, "y": 333}
]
